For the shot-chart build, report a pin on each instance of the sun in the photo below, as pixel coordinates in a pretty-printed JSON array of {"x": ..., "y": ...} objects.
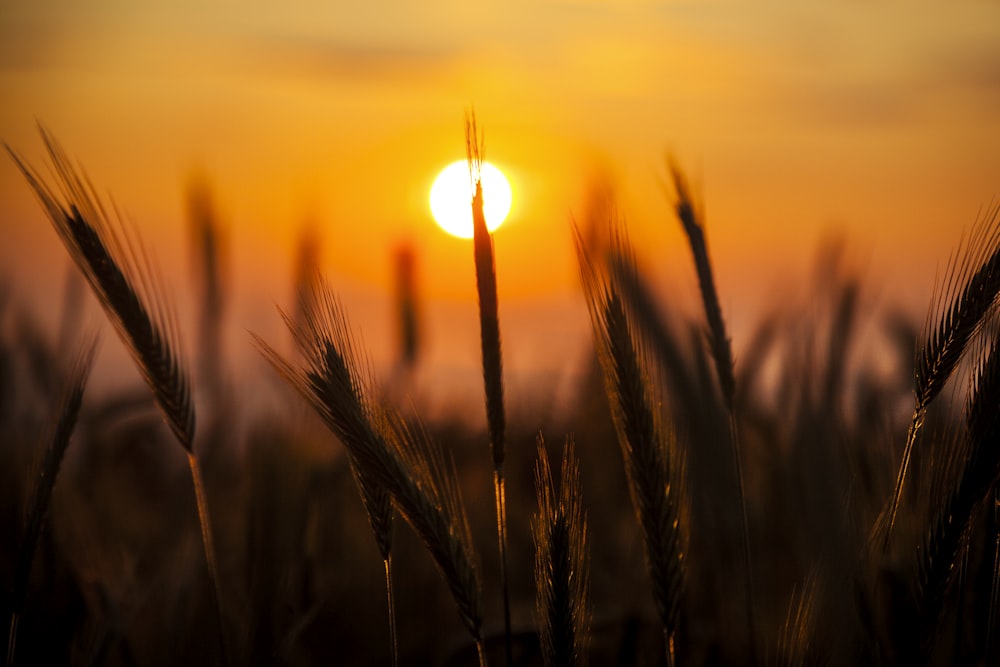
[{"x": 451, "y": 198}]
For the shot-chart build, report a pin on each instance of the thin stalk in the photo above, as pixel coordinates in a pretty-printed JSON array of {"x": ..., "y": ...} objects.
[
  {"x": 668, "y": 640},
  {"x": 904, "y": 464},
  {"x": 722, "y": 354},
  {"x": 734, "y": 440},
  {"x": 500, "y": 491},
  {"x": 207, "y": 540},
  {"x": 489, "y": 333},
  {"x": 391, "y": 604},
  {"x": 481, "y": 652}
]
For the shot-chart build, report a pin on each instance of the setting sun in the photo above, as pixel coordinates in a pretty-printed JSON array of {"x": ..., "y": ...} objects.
[{"x": 451, "y": 198}]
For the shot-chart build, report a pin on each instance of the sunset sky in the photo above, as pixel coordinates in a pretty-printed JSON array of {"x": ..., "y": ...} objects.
[{"x": 878, "y": 119}]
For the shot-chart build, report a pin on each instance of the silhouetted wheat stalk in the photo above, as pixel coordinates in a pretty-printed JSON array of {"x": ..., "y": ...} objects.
[
  {"x": 310, "y": 309},
  {"x": 69, "y": 409},
  {"x": 722, "y": 354},
  {"x": 121, "y": 275},
  {"x": 386, "y": 454},
  {"x": 969, "y": 290},
  {"x": 561, "y": 563},
  {"x": 489, "y": 332},
  {"x": 647, "y": 444},
  {"x": 971, "y": 474}
]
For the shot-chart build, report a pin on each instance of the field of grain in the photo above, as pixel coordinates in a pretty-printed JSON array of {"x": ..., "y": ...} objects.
[{"x": 828, "y": 495}]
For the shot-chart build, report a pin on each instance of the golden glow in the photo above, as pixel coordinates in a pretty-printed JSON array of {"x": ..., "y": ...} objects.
[{"x": 451, "y": 198}]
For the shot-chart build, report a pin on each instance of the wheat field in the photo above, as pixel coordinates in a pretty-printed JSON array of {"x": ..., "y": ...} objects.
[{"x": 820, "y": 496}]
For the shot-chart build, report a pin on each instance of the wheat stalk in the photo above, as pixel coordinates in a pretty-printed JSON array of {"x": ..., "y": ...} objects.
[
  {"x": 395, "y": 458},
  {"x": 722, "y": 354},
  {"x": 489, "y": 333},
  {"x": 69, "y": 409},
  {"x": 559, "y": 530},
  {"x": 377, "y": 502},
  {"x": 971, "y": 473},
  {"x": 647, "y": 444},
  {"x": 968, "y": 292},
  {"x": 121, "y": 275}
]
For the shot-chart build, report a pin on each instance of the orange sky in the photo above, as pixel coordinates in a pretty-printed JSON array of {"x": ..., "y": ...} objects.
[{"x": 880, "y": 119}]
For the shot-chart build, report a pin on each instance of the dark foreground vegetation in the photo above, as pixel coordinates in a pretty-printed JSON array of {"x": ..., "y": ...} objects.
[{"x": 829, "y": 497}]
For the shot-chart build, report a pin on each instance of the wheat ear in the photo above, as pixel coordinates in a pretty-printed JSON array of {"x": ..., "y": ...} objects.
[
  {"x": 489, "y": 334},
  {"x": 561, "y": 561},
  {"x": 120, "y": 274},
  {"x": 647, "y": 444},
  {"x": 722, "y": 354},
  {"x": 968, "y": 292},
  {"x": 69, "y": 409},
  {"x": 335, "y": 380}
]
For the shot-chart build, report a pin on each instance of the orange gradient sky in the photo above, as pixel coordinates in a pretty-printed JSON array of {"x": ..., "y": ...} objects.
[{"x": 878, "y": 119}]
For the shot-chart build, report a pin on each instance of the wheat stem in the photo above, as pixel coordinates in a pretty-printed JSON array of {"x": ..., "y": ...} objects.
[
  {"x": 648, "y": 445},
  {"x": 211, "y": 561},
  {"x": 489, "y": 333},
  {"x": 391, "y": 606},
  {"x": 734, "y": 440},
  {"x": 500, "y": 493},
  {"x": 481, "y": 653},
  {"x": 722, "y": 354},
  {"x": 889, "y": 522}
]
